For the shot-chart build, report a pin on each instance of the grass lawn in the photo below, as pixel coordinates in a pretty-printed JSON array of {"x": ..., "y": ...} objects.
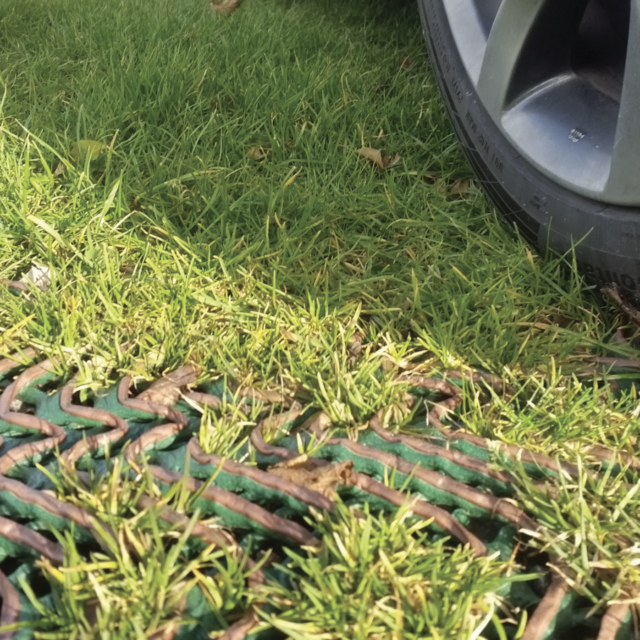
[{"x": 228, "y": 219}]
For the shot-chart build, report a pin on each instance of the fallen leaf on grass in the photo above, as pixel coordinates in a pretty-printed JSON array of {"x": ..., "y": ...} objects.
[
  {"x": 355, "y": 349},
  {"x": 167, "y": 390},
  {"x": 376, "y": 157},
  {"x": 258, "y": 153},
  {"x": 289, "y": 336},
  {"x": 388, "y": 365},
  {"x": 406, "y": 62},
  {"x": 60, "y": 169},
  {"x": 439, "y": 184},
  {"x": 225, "y": 7},
  {"x": 355, "y": 344},
  {"x": 392, "y": 161},
  {"x": 460, "y": 188},
  {"x": 317, "y": 424},
  {"x": 373, "y": 155},
  {"x": 324, "y": 479},
  {"x": 430, "y": 178}
]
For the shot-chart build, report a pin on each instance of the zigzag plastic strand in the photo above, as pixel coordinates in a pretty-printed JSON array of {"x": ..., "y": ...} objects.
[{"x": 439, "y": 469}]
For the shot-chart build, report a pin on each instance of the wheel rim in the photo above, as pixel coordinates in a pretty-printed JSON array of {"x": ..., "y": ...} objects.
[{"x": 561, "y": 79}]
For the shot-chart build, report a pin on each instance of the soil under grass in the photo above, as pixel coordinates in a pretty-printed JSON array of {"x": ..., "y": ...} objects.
[{"x": 231, "y": 221}]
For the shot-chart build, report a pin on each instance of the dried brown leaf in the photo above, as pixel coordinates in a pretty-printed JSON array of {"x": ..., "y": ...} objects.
[
  {"x": 167, "y": 390},
  {"x": 430, "y": 178},
  {"x": 225, "y": 7},
  {"x": 373, "y": 155},
  {"x": 258, "y": 153},
  {"x": 392, "y": 161},
  {"x": 376, "y": 157},
  {"x": 355, "y": 344},
  {"x": 265, "y": 395},
  {"x": 406, "y": 62},
  {"x": 127, "y": 268},
  {"x": 460, "y": 188},
  {"x": 388, "y": 365},
  {"x": 316, "y": 424},
  {"x": 289, "y": 336},
  {"x": 308, "y": 473},
  {"x": 60, "y": 169},
  {"x": 442, "y": 187}
]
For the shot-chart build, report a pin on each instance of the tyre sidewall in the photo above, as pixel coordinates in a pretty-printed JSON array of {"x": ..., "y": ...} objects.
[{"x": 606, "y": 239}]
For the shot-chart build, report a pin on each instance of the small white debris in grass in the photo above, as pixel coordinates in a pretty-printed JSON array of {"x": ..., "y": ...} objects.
[
  {"x": 16, "y": 405},
  {"x": 39, "y": 275}
]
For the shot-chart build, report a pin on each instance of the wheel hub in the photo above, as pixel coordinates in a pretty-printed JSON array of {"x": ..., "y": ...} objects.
[{"x": 562, "y": 81}]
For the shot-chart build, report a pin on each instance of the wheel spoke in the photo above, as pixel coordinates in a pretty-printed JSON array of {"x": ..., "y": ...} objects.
[
  {"x": 530, "y": 42},
  {"x": 623, "y": 186}
]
